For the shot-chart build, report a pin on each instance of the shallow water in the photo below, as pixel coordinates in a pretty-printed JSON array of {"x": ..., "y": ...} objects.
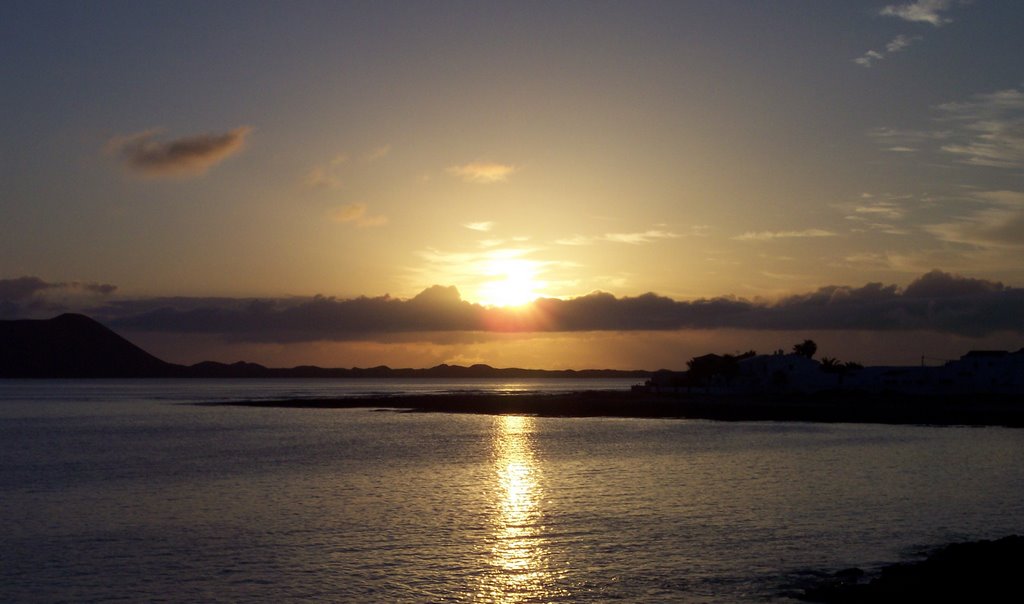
[{"x": 114, "y": 490}]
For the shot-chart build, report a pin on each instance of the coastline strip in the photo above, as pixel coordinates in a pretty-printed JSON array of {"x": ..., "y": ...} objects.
[{"x": 980, "y": 410}]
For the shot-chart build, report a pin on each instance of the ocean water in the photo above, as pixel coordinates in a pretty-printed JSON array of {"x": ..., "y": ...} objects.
[{"x": 120, "y": 490}]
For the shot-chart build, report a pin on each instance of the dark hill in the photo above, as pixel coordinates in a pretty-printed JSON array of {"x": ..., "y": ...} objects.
[
  {"x": 75, "y": 346},
  {"x": 71, "y": 346}
]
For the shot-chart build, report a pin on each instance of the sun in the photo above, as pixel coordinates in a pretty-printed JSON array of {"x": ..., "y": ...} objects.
[{"x": 510, "y": 282}]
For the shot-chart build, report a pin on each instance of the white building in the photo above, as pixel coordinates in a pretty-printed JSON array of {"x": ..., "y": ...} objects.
[
  {"x": 996, "y": 371},
  {"x": 782, "y": 373},
  {"x": 977, "y": 372}
]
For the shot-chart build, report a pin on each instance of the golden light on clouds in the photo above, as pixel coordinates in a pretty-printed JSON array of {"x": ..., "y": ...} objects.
[
  {"x": 497, "y": 276},
  {"x": 771, "y": 235},
  {"x": 483, "y": 172},
  {"x": 378, "y": 153},
  {"x": 357, "y": 214},
  {"x": 325, "y": 175},
  {"x": 482, "y": 226}
]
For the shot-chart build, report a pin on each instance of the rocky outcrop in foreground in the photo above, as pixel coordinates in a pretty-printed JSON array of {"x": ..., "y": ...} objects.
[{"x": 981, "y": 571}]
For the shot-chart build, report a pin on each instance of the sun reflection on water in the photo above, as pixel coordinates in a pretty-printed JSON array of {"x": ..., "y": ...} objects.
[{"x": 518, "y": 566}]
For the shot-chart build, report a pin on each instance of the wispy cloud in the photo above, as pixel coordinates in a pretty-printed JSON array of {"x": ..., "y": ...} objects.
[
  {"x": 633, "y": 238},
  {"x": 868, "y": 58},
  {"x": 378, "y": 153},
  {"x": 641, "y": 237},
  {"x": 1005, "y": 198},
  {"x": 577, "y": 240},
  {"x": 998, "y": 224},
  {"x": 991, "y": 129},
  {"x": 325, "y": 175},
  {"x": 905, "y": 140},
  {"x": 881, "y": 227},
  {"x": 461, "y": 264},
  {"x": 482, "y": 226},
  {"x": 985, "y": 130},
  {"x": 879, "y": 216},
  {"x": 921, "y": 11},
  {"x": 872, "y": 260},
  {"x": 483, "y": 172},
  {"x": 897, "y": 44},
  {"x": 144, "y": 154},
  {"x": 773, "y": 235},
  {"x": 983, "y": 105},
  {"x": 881, "y": 209},
  {"x": 358, "y": 214},
  {"x": 988, "y": 228},
  {"x": 900, "y": 42}
]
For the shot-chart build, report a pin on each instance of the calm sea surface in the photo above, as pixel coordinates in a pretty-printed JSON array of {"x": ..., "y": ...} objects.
[{"x": 115, "y": 490}]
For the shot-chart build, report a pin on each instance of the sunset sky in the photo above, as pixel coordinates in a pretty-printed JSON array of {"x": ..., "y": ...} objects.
[{"x": 363, "y": 183}]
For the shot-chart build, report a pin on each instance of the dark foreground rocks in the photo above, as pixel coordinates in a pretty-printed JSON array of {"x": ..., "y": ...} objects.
[{"x": 982, "y": 571}]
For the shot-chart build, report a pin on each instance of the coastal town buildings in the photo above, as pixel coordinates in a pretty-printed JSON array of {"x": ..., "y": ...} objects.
[{"x": 978, "y": 371}]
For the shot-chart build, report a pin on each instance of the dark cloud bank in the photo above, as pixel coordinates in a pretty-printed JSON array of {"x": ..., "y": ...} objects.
[
  {"x": 937, "y": 302},
  {"x": 29, "y": 296}
]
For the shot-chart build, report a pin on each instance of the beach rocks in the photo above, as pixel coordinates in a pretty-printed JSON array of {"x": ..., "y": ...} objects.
[{"x": 982, "y": 571}]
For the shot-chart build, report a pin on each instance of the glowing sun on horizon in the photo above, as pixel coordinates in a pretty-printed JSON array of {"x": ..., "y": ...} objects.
[{"x": 510, "y": 282}]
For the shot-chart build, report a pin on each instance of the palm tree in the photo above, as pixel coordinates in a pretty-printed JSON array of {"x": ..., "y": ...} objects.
[
  {"x": 807, "y": 348},
  {"x": 830, "y": 365}
]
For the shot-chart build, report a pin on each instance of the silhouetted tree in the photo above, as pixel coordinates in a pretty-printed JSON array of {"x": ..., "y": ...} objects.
[
  {"x": 839, "y": 369},
  {"x": 704, "y": 368},
  {"x": 830, "y": 365},
  {"x": 701, "y": 369},
  {"x": 807, "y": 348}
]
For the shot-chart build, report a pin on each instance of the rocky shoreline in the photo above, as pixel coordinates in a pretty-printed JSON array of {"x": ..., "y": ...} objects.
[
  {"x": 840, "y": 407},
  {"x": 980, "y": 571}
]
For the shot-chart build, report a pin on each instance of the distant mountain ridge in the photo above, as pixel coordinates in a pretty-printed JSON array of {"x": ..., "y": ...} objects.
[{"x": 76, "y": 346}]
